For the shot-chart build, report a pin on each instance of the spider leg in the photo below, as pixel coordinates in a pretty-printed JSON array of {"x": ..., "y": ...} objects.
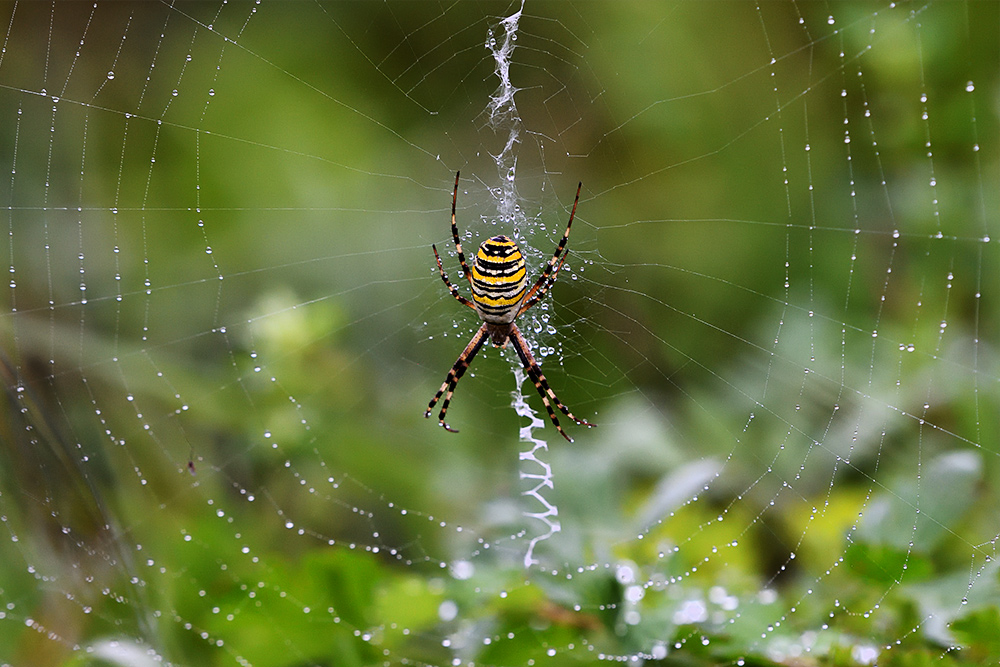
[
  {"x": 531, "y": 299},
  {"x": 541, "y": 384},
  {"x": 451, "y": 286},
  {"x": 454, "y": 375},
  {"x": 551, "y": 264},
  {"x": 454, "y": 233}
]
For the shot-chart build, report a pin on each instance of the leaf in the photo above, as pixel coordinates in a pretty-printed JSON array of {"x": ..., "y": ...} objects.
[
  {"x": 979, "y": 632},
  {"x": 918, "y": 512}
]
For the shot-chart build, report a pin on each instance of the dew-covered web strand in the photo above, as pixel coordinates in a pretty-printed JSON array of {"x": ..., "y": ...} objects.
[
  {"x": 970, "y": 88},
  {"x": 144, "y": 207},
  {"x": 849, "y": 165},
  {"x": 181, "y": 405},
  {"x": 779, "y": 123}
]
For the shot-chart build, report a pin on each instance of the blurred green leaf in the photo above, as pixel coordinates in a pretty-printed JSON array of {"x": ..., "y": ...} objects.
[
  {"x": 916, "y": 513},
  {"x": 979, "y": 635}
]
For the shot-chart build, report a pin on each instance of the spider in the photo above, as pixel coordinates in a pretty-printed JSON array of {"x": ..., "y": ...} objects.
[{"x": 499, "y": 296}]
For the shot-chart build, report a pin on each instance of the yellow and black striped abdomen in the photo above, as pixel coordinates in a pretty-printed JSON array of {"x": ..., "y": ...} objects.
[{"x": 498, "y": 280}]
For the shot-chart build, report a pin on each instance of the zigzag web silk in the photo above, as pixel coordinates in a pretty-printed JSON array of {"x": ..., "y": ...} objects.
[{"x": 503, "y": 116}]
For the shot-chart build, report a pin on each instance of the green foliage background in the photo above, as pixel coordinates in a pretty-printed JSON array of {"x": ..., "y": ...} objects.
[{"x": 256, "y": 212}]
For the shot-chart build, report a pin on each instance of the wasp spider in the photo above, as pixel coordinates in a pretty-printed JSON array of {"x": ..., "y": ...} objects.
[{"x": 499, "y": 296}]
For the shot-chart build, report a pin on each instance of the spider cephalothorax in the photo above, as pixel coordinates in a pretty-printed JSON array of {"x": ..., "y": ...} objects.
[{"x": 498, "y": 279}]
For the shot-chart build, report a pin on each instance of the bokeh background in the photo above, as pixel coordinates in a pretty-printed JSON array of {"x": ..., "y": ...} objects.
[{"x": 223, "y": 324}]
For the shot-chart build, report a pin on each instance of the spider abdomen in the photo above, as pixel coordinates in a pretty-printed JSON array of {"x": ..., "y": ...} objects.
[{"x": 499, "y": 280}]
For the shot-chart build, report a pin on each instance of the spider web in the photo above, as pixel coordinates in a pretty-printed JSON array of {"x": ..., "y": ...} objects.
[{"x": 223, "y": 323}]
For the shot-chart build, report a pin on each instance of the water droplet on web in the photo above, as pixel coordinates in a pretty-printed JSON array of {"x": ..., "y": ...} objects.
[
  {"x": 111, "y": 75},
  {"x": 447, "y": 610}
]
